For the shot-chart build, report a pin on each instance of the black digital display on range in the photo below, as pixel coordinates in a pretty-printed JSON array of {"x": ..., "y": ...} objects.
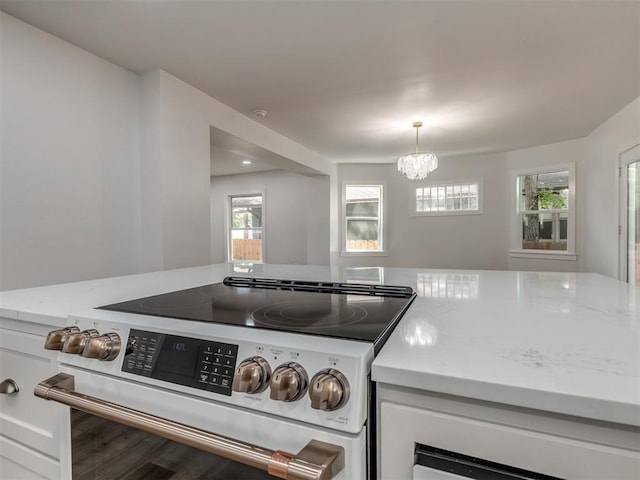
[
  {"x": 178, "y": 356},
  {"x": 192, "y": 362}
]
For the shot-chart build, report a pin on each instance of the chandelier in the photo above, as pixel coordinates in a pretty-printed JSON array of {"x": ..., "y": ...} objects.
[{"x": 418, "y": 165}]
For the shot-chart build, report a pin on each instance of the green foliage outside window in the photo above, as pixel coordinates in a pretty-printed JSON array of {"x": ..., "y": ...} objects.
[{"x": 550, "y": 200}]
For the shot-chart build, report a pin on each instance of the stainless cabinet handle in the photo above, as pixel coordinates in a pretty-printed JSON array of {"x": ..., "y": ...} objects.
[
  {"x": 316, "y": 461},
  {"x": 9, "y": 387}
]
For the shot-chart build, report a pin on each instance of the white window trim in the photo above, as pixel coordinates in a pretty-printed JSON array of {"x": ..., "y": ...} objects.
[
  {"x": 443, "y": 183},
  {"x": 516, "y": 235},
  {"x": 343, "y": 220},
  {"x": 229, "y": 224}
]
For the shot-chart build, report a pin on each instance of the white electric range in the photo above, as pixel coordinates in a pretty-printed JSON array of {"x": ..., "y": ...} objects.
[{"x": 269, "y": 377}]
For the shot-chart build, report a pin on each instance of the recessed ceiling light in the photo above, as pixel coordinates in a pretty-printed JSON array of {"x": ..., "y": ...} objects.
[{"x": 246, "y": 162}]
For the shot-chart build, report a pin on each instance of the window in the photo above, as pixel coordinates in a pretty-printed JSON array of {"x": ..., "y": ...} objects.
[
  {"x": 452, "y": 198},
  {"x": 362, "y": 209},
  {"x": 544, "y": 220},
  {"x": 246, "y": 228}
]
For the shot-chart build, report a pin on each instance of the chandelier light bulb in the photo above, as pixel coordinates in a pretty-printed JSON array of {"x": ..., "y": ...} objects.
[{"x": 416, "y": 166}]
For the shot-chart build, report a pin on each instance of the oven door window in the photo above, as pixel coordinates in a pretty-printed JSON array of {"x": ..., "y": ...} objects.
[{"x": 102, "y": 449}]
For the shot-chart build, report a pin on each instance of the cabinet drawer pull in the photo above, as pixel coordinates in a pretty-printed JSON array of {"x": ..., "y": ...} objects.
[
  {"x": 316, "y": 461},
  {"x": 9, "y": 387}
]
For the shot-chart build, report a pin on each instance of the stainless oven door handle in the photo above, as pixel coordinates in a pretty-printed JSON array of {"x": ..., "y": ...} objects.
[{"x": 317, "y": 460}]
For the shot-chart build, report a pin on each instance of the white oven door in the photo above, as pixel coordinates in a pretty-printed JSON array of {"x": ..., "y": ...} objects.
[{"x": 126, "y": 430}]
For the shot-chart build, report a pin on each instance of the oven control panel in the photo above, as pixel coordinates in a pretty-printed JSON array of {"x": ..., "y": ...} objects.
[
  {"x": 314, "y": 379},
  {"x": 196, "y": 363}
]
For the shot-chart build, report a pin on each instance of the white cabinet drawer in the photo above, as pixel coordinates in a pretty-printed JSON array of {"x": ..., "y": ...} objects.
[
  {"x": 23, "y": 417},
  {"x": 18, "y": 462},
  {"x": 402, "y": 427},
  {"x": 424, "y": 473}
]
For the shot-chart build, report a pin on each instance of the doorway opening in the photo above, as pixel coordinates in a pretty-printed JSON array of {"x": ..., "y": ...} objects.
[{"x": 630, "y": 215}]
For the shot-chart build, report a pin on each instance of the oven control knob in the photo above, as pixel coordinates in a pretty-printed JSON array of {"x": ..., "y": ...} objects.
[
  {"x": 75, "y": 342},
  {"x": 252, "y": 376},
  {"x": 55, "y": 339},
  {"x": 329, "y": 390},
  {"x": 289, "y": 382},
  {"x": 105, "y": 347}
]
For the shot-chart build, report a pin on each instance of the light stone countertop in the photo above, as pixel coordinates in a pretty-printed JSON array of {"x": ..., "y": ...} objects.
[{"x": 560, "y": 342}]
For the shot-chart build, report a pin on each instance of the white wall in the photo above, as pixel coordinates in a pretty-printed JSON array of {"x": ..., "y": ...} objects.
[
  {"x": 602, "y": 190},
  {"x": 319, "y": 223},
  {"x": 456, "y": 241},
  {"x": 69, "y": 162},
  {"x": 181, "y": 152},
  {"x": 105, "y": 172},
  {"x": 571, "y": 151},
  {"x": 176, "y": 155},
  {"x": 597, "y": 191},
  {"x": 296, "y": 215}
]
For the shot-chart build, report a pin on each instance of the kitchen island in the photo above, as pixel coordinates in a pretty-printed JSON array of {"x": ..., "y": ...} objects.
[
  {"x": 480, "y": 355},
  {"x": 528, "y": 369}
]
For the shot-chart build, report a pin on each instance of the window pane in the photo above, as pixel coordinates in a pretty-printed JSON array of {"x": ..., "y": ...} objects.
[
  {"x": 362, "y": 235},
  {"x": 562, "y": 226},
  {"x": 544, "y": 191},
  {"x": 543, "y": 207},
  {"x": 362, "y": 200},
  {"x": 246, "y": 228},
  {"x": 546, "y": 227},
  {"x": 546, "y": 231},
  {"x": 419, "y": 200},
  {"x": 360, "y": 192},
  {"x": 247, "y": 217},
  {"x": 363, "y": 211},
  {"x": 246, "y": 212},
  {"x": 246, "y": 245},
  {"x": 246, "y": 234},
  {"x": 448, "y": 198},
  {"x": 246, "y": 201},
  {"x": 362, "y": 230},
  {"x": 362, "y": 208}
]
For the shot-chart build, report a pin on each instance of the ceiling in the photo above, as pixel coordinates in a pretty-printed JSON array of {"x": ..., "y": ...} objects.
[
  {"x": 228, "y": 154},
  {"x": 346, "y": 79}
]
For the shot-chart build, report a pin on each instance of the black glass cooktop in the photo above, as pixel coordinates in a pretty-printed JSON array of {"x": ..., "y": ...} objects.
[{"x": 352, "y": 311}]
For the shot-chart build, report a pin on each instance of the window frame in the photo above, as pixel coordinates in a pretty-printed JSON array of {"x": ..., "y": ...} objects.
[
  {"x": 516, "y": 250},
  {"x": 382, "y": 209},
  {"x": 449, "y": 183},
  {"x": 230, "y": 228}
]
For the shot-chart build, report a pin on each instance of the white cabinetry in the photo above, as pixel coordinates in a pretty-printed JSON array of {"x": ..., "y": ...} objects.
[
  {"x": 424, "y": 473},
  {"x": 29, "y": 427},
  {"x": 547, "y": 444}
]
